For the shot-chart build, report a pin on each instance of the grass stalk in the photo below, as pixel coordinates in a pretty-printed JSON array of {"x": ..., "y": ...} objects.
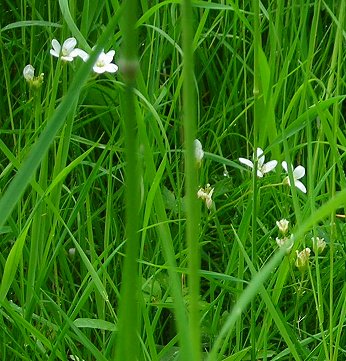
[
  {"x": 128, "y": 304},
  {"x": 192, "y": 205}
]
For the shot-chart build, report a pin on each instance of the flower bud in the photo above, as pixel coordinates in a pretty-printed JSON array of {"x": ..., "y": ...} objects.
[{"x": 199, "y": 154}]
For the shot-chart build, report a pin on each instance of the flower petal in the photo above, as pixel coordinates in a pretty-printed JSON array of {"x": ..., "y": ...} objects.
[
  {"x": 284, "y": 166},
  {"x": 260, "y": 157},
  {"x": 81, "y": 53},
  {"x": 69, "y": 44},
  {"x": 56, "y": 46},
  {"x": 300, "y": 186},
  {"x": 108, "y": 57},
  {"x": 246, "y": 162},
  {"x": 269, "y": 166},
  {"x": 99, "y": 69},
  {"x": 299, "y": 172},
  {"x": 111, "y": 68},
  {"x": 259, "y": 173}
]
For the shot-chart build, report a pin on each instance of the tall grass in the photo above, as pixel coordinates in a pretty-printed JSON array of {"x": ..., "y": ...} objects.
[{"x": 106, "y": 251}]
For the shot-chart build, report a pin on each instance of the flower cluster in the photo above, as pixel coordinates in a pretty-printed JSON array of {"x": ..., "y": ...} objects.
[
  {"x": 284, "y": 239},
  {"x": 68, "y": 51},
  {"x": 263, "y": 168}
]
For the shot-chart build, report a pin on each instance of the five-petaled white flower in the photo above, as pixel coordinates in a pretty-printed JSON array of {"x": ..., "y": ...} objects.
[
  {"x": 67, "y": 51},
  {"x": 104, "y": 63},
  {"x": 262, "y": 167},
  {"x": 297, "y": 173},
  {"x": 199, "y": 153}
]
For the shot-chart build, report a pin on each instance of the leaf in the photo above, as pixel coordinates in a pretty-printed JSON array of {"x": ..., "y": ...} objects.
[
  {"x": 12, "y": 263},
  {"x": 94, "y": 323}
]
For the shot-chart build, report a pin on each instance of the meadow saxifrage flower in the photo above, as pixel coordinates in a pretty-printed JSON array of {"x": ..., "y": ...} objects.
[
  {"x": 104, "y": 63},
  {"x": 262, "y": 167},
  {"x": 298, "y": 173},
  {"x": 199, "y": 153},
  {"x": 67, "y": 51},
  {"x": 206, "y": 195}
]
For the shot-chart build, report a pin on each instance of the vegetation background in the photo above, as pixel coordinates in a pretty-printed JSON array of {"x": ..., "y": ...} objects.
[{"x": 81, "y": 151}]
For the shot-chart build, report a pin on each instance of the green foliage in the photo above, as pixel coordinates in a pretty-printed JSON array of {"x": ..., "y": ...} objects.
[{"x": 103, "y": 241}]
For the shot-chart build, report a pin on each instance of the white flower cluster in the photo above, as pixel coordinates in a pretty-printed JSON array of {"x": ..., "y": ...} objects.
[
  {"x": 68, "y": 51},
  {"x": 263, "y": 168}
]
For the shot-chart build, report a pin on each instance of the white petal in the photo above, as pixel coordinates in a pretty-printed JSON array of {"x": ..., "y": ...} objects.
[
  {"x": 299, "y": 172},
  {"x": 99, "y": 69},
  {"x": 259, "y": 152},
  {"x": 54, "y": 53},
  {"x": 260, "y": 157},
  {"x": 56, "y": 46},
  {"x": 284, "y": 166},
  {"x": 79, "y": 52},
  {"x": 246, "y": 162},
  {"x": 300, "y": 186},
  {"x": 109, "y": 56},
  {"x": 259, "y": 173},
  {"x": 111, "y": 68},
  {"x": 69, "y": 44},
  {"x": 269, "y": 166}
]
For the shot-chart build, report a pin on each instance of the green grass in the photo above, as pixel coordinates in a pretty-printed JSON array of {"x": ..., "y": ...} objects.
[{"x": 106, "y": 253}]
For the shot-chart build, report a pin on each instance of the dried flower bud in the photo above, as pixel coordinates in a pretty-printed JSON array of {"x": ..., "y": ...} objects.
[
  {"x": 318, "y": 244},
  {"x": 283, "y": 225},
  {"x": 302, "y": 260},
  {"x": 285, "y": 241},
  {"x": 206, "y": 195}
]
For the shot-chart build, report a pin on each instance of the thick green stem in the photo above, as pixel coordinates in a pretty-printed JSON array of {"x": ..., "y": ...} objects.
[{"x": 192, "y": 205}]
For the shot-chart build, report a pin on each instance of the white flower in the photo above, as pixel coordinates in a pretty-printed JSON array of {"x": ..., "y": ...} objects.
[
  {"x": 104, "y": 63},
  {"x": 68, "y": 51},
  {"x": 282, "y": 225},
  {"x": 206, "y": 194},
  {"x": 298, "y": 173},
  {"x": 199, "y": 154},
  {"x": 262, "y": 167},
  {"x": 29, "y": 72}
]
